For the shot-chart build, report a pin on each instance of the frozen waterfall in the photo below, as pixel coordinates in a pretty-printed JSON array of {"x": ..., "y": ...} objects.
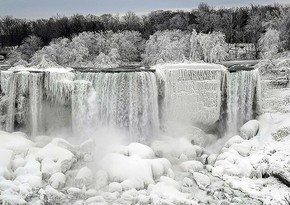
[
  {"x": 191, "y": 95},
  {"x": 80, "y": 101},
  {"x": 126, "y": 100},
  {"x": 243, "y": 98}
]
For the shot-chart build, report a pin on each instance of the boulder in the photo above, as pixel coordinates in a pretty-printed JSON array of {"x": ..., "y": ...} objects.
[{"x": 249, "y": 129}]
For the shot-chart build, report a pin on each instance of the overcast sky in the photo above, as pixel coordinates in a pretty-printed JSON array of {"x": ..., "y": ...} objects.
[{"x": 47, "y": 8}]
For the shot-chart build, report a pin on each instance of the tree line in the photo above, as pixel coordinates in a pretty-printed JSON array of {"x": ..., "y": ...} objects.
[{"x": 240, "y": 25}]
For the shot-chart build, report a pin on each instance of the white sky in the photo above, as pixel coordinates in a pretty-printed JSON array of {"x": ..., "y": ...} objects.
[{"x": 47, "y": 8}]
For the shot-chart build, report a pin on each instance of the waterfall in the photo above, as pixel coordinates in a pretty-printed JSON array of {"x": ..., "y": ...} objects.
[
  {"x": 187, "y": 95},
  {"x": 35, "y": 101},
  {"x": 126, "y": 100},
  {"x": 243, "y": 98},
  {"x": 80, "y": 108},
  {"x": 191, "y": 95},
  {"x": 11, "y": 92}
]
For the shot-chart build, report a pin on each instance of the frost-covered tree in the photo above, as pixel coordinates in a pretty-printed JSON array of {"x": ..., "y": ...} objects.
[
  {"x": 212, "y": 47},
  {"x": 167, "y": 46},
  {"x": 30, "y": 45},
  {"x": 194, "y": 56},
  {"x": 270, "y": 43},
  {"x": 128, "y": 43}
]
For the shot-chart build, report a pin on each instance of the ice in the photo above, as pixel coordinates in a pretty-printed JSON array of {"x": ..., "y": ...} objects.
[
  {"x": 121, "y": 168},
  {"x": 36, "y": 95},
  {"x": 191, "y": 165},
  {"x": 57, "y": 180},
  {"x": 249, "y": 129},
  {"x": 140, "y": 150},
  {"x": 242, "y": 95},
  {"x": 63, "y": 157},
  {"x": 115, "y": 187},
  {"x": 192, "y": 94},
  {"x": 201, "y": 179},
  {"x": 84, "y": 177}
]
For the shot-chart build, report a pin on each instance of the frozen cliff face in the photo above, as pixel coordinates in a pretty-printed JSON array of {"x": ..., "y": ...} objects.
[{"x": 191, "y": 94}]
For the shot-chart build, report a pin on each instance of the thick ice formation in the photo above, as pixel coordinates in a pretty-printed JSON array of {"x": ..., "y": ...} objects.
[{"x": 192, "y": 94}]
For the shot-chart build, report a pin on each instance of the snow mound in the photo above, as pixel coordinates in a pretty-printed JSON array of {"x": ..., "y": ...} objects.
[
  {"x": 63, "y": 157},
  {"x": 173, "y": 148},
  {"x": 17, "y": 142},
  {"x": 121, "y": 168},
  {"x": 192, "y": 165},
  {"x": 249, "y": 129},
  {"x": 140, "y": 150}
]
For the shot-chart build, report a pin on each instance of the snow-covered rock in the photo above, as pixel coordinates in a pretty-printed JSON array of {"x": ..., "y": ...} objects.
[
  {"x": 235, "y": 139},
  {"x": 115, "y": 187},
  {"x": 57, "y": 180},
  {"x": 173, "y": 148},
  {"x": 120, "y": 168},
  {"x": 159, "y": 166},
  {"x": 141, "y": 150},
  {"x": 30, "y": 174},
  {"x": 249, "y": 129},
  {"x": 16, "y": 142},
  {"x": 191, "y": 165},
  {"x": 84, "y": 177},
  {"x": 63, "y": 157},
  {"x": 49, "y": 167},
  {"x": 201, "y": 179},
  {"x": 96, "y": 200},
  {"x": 102, "y": 179},
  {"x": 129, "y": 184}
]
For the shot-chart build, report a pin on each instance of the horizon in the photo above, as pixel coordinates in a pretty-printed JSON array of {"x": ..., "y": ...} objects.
[{"x": 38, "y": 9}]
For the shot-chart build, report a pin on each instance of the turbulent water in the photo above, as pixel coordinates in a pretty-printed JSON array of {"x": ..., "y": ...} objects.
[{"x": 37, "y": 102}]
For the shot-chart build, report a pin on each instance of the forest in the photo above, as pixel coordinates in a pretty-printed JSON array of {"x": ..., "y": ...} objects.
[{"x": 128, "y": 38}]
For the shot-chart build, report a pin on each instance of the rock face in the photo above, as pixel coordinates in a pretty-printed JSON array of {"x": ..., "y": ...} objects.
[{"x": 249, "y": 130}]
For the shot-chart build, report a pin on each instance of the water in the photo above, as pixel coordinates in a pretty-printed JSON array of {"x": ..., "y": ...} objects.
[
  {"x": 125, "y": 101},
  {"x": 243, "y": 99},
  {"x": 134, "y": 102},
  {"x": 36, "y": 102}
]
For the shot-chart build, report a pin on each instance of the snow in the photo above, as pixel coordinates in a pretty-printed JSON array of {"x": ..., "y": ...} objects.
[
  {"x": 57, "y": 180},
  {"x": 201, "y": 179},
  {"x": 63, "y": 157},
  {"x": 191, "y": 165},
  {"x": 84, "y": 177},
  {"x": 140, "y": 150},
  {"x": 120, "y": 168},
  {"x": 175, "y": 169},
  {"x": 249, "y": 129}
]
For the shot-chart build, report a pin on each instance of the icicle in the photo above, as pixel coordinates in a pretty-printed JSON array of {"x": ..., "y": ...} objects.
[
  {"x": 11, "y": 93},
  {"x": 58, "y": 86},
  {"x": 35, "y": 101},
  {"x": 80, "y": 107},
  {"x": 23, "y": 82}
]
